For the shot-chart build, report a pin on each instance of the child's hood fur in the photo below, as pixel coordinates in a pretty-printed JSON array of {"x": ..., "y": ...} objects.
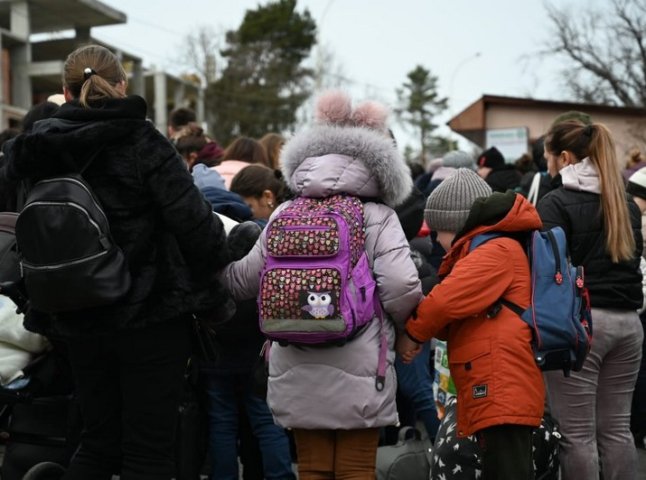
[{"x": 358, "y": 133}]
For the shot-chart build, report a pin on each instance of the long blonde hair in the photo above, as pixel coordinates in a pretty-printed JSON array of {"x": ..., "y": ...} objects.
[
  {"x": 100, "y": 81},
  {"x": 595, "y": 142}
]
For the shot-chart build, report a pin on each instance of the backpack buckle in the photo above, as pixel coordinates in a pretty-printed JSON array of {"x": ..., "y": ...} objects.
[
  {"x": 380, "y": 382},
  {"x": 494, "y": 310}
]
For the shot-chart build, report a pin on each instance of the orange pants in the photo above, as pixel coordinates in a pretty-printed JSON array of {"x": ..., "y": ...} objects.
[{"x": 336, "y": 454}]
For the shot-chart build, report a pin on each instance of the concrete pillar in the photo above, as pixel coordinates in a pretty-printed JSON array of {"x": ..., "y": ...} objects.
[
  {"x": 199, "y": 109},
  {"x": 19, "y": 19},
  {"x": 21, "y": 95},
  {"x": 160, "y": 93},
  {"x": 137, "y": 81},
  {"x": 179, "y": 95}
]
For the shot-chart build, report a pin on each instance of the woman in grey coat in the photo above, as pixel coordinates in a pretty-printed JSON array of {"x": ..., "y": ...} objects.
[{"x": 328, "y": 395}]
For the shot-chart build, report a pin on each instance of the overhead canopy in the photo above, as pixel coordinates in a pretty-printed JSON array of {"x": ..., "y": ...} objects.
[{"x": 47, "y": 16}]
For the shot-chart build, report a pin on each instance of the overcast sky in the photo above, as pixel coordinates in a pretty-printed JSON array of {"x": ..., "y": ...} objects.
[{"x": 377, "y": 42}]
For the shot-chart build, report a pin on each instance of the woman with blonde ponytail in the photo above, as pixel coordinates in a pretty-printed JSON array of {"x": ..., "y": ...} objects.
[
  {"x": 603, "y": 228},
  {"x": 129, "y": 357}
]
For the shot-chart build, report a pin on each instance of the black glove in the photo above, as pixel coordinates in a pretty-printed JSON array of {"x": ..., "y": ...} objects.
[{"x": 242, "y": 238}]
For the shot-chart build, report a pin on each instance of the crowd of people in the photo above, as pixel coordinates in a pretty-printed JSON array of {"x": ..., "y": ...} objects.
[{"x": 191, "y": 217}]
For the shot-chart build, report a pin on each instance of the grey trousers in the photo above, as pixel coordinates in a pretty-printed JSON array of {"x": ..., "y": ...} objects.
[{"x": 593, "y": 406}]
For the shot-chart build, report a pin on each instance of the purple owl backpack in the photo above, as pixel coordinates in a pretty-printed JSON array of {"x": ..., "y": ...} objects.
[{"x": 316, "y": 287}]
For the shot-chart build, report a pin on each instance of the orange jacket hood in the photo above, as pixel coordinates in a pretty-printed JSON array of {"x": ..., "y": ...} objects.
[{"x": 501, "y": 212}]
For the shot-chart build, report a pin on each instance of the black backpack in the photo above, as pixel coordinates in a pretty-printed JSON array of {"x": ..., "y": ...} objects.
[
  {"x": 10, "y": 281},
  {"x": 67, "y": 256},
  {"x": 9, "y": 263}
]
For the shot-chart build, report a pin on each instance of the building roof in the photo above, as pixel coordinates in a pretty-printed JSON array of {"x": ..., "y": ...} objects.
[{"x": 472, "y": 121}]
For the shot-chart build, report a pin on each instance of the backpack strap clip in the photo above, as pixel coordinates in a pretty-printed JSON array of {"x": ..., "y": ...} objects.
[
  {"x": 494, "y": 310},
  {"x": 496, "y": 307},
  {"x": 380, "y": 380}
]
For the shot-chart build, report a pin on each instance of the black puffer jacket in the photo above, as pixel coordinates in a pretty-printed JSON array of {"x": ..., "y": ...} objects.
[
  {"x": 173, "y": 242},
  {"x": 611, "y": 285}
]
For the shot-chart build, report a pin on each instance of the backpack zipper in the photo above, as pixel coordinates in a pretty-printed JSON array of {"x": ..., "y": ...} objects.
[
  {"x": 304, "y": 227},
  {"x": 558, "y": 276},
  {"x": 69, "y": 204},
  {"x": 80, "y": 184},
  {"x": 57, "y": 266}
]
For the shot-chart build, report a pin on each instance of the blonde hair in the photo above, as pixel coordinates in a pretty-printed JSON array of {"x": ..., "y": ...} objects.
[
  {"x": 91, "y": 73},
  {"x": 595, "y": 142}
]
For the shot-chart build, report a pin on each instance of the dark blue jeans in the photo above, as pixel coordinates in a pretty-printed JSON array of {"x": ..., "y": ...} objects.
[
  {"x": 224, "y": 391},
  {"x": 416, "y": 385}
]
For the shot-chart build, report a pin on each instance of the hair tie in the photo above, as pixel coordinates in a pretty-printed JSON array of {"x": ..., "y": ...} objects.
[
  {"x": 88, "y": 72},
  {"x": 587, "y": 131},
  {"x": 278, "y": 174}
]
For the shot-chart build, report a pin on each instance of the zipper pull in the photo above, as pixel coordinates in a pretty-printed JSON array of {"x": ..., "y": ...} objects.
[
  {"x": 22, "y": 270},
  {"x": 558, "y": 277},
  {"x": 580, "y": 282}
]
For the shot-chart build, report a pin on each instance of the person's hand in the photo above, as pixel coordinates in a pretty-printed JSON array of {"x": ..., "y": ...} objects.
[{"x": 406, "y": 348}]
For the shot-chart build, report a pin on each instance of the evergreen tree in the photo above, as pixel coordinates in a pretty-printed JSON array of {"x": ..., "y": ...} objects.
[
  {"x": 264, "y": 81},
  {"x": 419, "y": 103}
]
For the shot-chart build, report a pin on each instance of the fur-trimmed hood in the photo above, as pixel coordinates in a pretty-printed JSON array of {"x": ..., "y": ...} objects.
[{"x": 329, "y": 159}]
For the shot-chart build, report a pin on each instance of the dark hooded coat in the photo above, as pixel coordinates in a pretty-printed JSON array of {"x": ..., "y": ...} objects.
[{"x": 172, "y": 241}]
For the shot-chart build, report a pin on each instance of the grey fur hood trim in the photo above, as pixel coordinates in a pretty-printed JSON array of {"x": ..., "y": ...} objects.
[{"x": 375, "y": 150}]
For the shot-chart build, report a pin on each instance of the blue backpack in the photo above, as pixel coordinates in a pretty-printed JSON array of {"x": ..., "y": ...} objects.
[{"x": 559, "y": 313}]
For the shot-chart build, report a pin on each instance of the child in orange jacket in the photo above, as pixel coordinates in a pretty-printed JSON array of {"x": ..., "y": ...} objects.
[{"x": 500, "y": 388}]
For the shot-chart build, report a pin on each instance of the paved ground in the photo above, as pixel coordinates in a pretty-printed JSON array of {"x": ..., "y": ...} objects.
[{"x": 641, "y": 453}]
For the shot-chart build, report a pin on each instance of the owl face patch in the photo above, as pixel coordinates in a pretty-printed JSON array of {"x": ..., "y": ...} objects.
[{"x": 317, "y": 305}]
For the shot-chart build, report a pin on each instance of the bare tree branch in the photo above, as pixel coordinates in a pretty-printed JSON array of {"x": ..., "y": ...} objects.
[
  {"x": 606, "y": 48},
  {"x": 200, "y": 53},
  {"x": 637, "y": 32}
]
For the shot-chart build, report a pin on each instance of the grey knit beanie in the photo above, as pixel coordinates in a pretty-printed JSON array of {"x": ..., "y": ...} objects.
[
  {"x": 447, "y": 208},
  {"x": 459, "y": 159}
]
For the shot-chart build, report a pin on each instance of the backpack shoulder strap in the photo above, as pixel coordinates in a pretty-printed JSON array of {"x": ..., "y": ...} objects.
[
  {"x": 532, "y": 195},
  {"x": 22, "y": 191},
  {"x": 483, "y": 238},
  {"x": 493, "y": 311},
  {"x": 518, "y": 310}
]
